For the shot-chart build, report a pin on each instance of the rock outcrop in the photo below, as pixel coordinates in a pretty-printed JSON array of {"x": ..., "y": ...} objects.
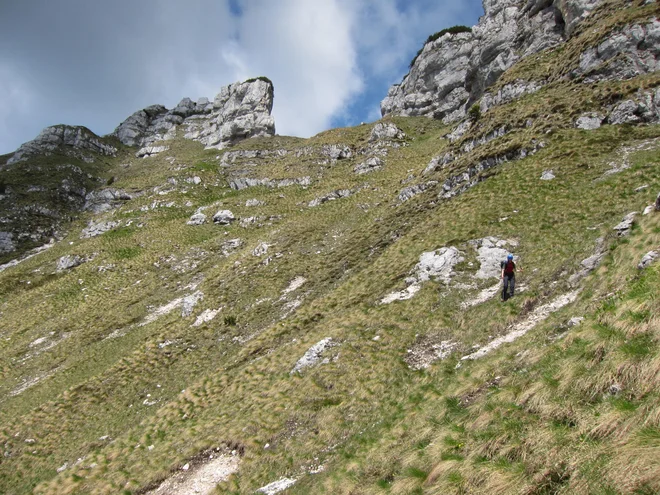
[
  {"x": 76, "y": 141},
  {"x": 629, "y": 52},
  {"x": 454, "y": 71},
  {"x": 239, "y": 111}
]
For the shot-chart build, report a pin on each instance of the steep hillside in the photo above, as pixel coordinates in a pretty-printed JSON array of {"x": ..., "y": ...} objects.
[{"x": 322, "y": 315}]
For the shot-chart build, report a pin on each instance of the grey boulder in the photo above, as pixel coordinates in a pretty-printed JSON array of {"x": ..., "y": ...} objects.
[
  {"x": 648, "y": 259},
  {"x": 224, "y": 217},
  {"x": 6, "y": 242}
]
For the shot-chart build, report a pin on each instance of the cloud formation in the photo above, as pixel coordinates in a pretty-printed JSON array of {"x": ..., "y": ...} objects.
[{"x": 95, "y": 63}]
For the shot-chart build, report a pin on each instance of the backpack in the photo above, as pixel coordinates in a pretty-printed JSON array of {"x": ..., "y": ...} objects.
[{"x": 509, "y": 267}]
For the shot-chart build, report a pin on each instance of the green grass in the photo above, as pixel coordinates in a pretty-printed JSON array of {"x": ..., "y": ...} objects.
[{"x": 537, "y": 416}]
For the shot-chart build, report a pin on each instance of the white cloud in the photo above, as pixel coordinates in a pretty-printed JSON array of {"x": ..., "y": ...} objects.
[
  {"x": 330, "y": 60},
  {"x": 16, "y": 105},
  {"x": 307, "y": 50}
]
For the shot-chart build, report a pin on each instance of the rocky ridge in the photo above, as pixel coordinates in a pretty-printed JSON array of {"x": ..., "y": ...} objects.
[
  {"x": 239, "y": 111},
  {"x": 454, "y": 71},
  {"x": 74, "y": 141}
]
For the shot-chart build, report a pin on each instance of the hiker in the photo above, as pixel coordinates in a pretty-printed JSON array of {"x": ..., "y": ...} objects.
[{"x": 508, "y": 277}]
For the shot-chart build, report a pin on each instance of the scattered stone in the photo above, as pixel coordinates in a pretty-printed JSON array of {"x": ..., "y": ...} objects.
[
  {"x": 428, "y": 350},
  {"x": 623, "y": 228},
  {"x": 648, "y": 259},
  {"x": 194, "y": 180},
  {"x": 340, "y": 193},
  {"x": 336, "y": 151},
  {"x": 575, "y": 321},
  {"x": 188, "y": 303},
  {"x": 591, "y": 263},
  {"x": 230, "y": 246},
  {"x": 223, "y": 217},
  {"x": 410, "y": 192},
  {"x": 641, "y": 188},
  {"x": 295, "y": 284},
  {"x": 547, "y": 175},
  {"x": 590, "y": 121},
  {"x": 148, "y": 151},
  {"x": 648, "y": 210},
  {"x": 69, "y": 261},
  {"x": 261, "y": 249},
  {"x": 106, "y": 199},
  {"x": 386, "y": 131},
  {"x": 199, "y": 478},
  {"x": 483, "y": 296},
  {"x": 206, "y": 316},
  {"x": 313, "y": 355},
  {"x": 197, "y": 219},
  {"x": 254, "y": 202},
  {"x": 95, "y": 229},
  {"x": 277, "y": 486},
  {"x": 6, "y": 242},
  {"x": 371, "y": 165},
  {"x": 437, "y": 264}
]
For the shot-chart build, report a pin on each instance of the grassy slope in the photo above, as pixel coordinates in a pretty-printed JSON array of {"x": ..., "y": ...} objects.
[{"x": 547, "y": 424}]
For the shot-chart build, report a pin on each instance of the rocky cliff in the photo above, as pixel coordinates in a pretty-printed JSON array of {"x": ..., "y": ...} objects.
[
  {"x": 239, "y": 111},
  {"x": 48, "y": 181},
  {"x": 454, "y": 71}
]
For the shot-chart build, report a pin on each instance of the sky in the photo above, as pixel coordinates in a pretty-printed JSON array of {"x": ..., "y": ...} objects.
[{"x": 94, "y": 63}]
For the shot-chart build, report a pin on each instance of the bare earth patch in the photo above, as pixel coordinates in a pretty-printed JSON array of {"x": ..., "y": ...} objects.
[
  {"x": 519, "y": 329},
  {"x": 426, "y": 350},
  {"x": 199, "y": 478}
]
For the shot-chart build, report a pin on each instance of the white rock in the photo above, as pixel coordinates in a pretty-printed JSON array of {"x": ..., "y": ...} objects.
[
  {"x": 623, "y": 228},
  {"x": 69, "y": 261},
  {"x": 590, "y": 121},
  {"x": 197, "y": 219},
  {"x": 224, "y": 217},
  {"x": 313, "y": 355},
  {"x": 6, "y": 242},
  {"x": 277, "y": 486},
  {"x": 648, "y": 259},
  {"x": 261, "y": 249},
  {"x": 547, "y": 175},
  {"x": 206, "y": 316}
]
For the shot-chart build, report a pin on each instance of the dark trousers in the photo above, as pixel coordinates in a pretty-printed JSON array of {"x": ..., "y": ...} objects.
[{"x": 508, "y": 286}]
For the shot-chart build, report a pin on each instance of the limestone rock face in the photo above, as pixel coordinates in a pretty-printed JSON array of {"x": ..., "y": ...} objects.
[
  {"x": 239, "y": 111},
  {"x": 629, "y": 52},
  {"x": 106, "y": 199},
  {"x": 454, "y": 71},
  {"x": 6, "y": 242},
  {"x": 74, "y": 141}
]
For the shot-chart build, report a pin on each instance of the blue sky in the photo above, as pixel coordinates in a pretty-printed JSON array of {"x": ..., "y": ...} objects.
[{"x": 94, "y": 63}]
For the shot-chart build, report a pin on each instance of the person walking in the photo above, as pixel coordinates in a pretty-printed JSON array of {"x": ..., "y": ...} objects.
[{"x": 508, "y": 277}]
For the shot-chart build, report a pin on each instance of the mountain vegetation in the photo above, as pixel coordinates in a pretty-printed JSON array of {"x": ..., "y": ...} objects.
[{"x": 322, "y": 315}]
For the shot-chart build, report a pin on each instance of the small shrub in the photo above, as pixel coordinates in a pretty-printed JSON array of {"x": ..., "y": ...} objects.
[
  {"x": 474, "y": 113},
  {"x": 260, "y": 78},
  {"x": 230, "y": 321}
]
